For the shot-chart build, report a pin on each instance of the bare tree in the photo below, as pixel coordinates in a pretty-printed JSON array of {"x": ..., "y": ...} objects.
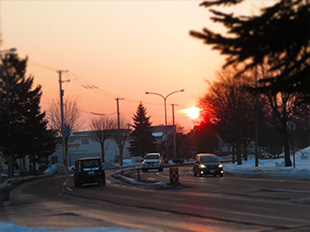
[
  {"x": 280, "y": 108},
  {"x": 72, "y": 117},
  {"x": 120, "y": 135},
  {"x": 72, "y": 114},
  {"x": 230, "y": 106},
  {"x": 101, "y": 131}
]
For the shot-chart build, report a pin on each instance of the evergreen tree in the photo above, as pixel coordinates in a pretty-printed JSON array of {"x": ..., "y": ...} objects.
[
  {"x": 278, "y": 38},
  {"x": 141, "y": 138},
  {"x": 22, "y": 125}
]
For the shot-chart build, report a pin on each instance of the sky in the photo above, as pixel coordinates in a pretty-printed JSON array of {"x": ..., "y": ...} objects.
[{"x": 117, "y": 49}]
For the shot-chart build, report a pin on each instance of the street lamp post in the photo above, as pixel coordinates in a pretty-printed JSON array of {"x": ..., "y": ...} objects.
[{"x": 165, "y": 105}]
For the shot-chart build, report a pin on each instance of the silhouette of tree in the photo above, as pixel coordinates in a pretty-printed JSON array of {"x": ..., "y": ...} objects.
[
  {"x": 141, "y": 138},
  {"x": 72, "y": 117},
  {"x": 280, "y": 108},
  {"x": 22, "y": 124},
  {"x": 72, "y": 114},
  {"x": 101, "y": 128},
  {"x": 278, "y": 37},
  {"x": 120, "y": 135},
  {"x": 231, "y": 107}
]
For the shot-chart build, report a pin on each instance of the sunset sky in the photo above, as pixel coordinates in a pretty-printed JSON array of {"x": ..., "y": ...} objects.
[{"x": 120, "y": 48}]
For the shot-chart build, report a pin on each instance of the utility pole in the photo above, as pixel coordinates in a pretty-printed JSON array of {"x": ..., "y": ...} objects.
[
  {"x": 174, "y": 133},
  {"x": 256, "y": 121},
  {"x": 62, "y": 117},
  {"x": 118, "y": 118},
  {"x": 119, "y": 128},
  {"x": 8, "y": 109}
]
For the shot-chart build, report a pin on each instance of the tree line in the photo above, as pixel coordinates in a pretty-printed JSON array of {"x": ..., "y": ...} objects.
[
  {"x": 272, "y": 47},
  {"x": 229, "y": 108},
  {"x": 267, "y": 73}
]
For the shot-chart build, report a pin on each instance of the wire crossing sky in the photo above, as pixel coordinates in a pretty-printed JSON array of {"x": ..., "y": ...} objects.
[{"x": 117, "y": 49}]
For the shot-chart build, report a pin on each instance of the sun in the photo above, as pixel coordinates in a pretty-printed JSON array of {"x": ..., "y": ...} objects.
[{"x": 192, "y": 112}]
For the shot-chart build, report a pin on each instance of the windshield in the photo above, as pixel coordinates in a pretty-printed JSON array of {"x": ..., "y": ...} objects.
[
  {"x": 91, "y": 163},
  {"x": 152, "y": 157},
  {"x": 209, "y": 159}
]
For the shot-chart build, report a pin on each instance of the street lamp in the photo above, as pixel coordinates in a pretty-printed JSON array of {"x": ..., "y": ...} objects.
[
  {"x": 165, "y": 105},
  {"x": 8, "y": 50}
]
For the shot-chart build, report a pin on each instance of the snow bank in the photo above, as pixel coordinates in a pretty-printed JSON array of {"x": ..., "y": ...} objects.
[
  {"x": 10, "y": 227},
  {"x": 56, "y": 169},
  {"x": 274, "y": 168},
  {"x": 157, "y": 185}
]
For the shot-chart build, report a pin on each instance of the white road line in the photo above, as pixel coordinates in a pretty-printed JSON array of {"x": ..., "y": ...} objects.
[
  {"x": 269, "y": 217},
  {"x": 159, "y": 174}
]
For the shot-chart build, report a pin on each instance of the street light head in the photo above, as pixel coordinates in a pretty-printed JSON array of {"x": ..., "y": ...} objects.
[
  {"x": 8, "y": 50},
  {"x": 147, "y": 92},
  {"x": 182, "y": 90}
]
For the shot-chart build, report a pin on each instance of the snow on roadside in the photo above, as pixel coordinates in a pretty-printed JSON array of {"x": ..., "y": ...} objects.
[
  {"x": 56, "y": 168},
  {"x": 11, "y": 227},
  {"x": 273, "y": 168},
  {"x": 157, "y": 185}
]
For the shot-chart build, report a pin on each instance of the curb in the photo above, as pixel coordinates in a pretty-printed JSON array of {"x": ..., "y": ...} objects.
[{"x": 157, "y": 185}]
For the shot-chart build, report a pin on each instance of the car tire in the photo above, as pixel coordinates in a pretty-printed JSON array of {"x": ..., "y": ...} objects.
[
  {"x": 78, "y": 183},
  {"x": 101, "y": 182},
  {"x": 221, "y": 175}
]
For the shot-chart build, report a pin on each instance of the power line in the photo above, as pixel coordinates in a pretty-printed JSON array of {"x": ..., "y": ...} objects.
[
  {"x": 44, "y": 66},
  {"x": 90, "y": 86}
]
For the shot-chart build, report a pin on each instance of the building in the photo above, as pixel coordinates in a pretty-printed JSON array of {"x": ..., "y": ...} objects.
[{"x": 83, "y": 144}]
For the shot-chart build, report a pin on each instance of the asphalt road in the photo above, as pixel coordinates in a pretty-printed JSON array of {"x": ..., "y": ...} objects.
[{"x": 201, "y": 204}]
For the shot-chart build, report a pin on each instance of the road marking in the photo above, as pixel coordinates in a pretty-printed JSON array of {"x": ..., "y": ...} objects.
[
  {"x": 269, "y": 216},
  {"x": 159, "y": 174}
]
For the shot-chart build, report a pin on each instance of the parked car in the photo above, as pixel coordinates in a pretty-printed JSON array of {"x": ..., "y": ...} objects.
[
  {"x": 88, "y": 170},
  {"x": 152, "y": 161},
  {"x": 207, "y": 164}
]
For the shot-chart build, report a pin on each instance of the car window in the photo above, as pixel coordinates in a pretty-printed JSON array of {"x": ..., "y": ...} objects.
[
  {"x": 90, "y": 163},
  {"x": 152, "y": 157},
  {"x": 209, "y": 159}
]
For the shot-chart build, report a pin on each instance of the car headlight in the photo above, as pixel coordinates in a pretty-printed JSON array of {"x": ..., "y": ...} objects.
[
  {"x": 220, "y": 165},
  {"x": 202, "y": 166}
]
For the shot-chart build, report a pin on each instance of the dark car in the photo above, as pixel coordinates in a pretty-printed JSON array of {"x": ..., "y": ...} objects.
[
  {"x": 207, "y": 164},
  {"x": 88, "y": 170}
]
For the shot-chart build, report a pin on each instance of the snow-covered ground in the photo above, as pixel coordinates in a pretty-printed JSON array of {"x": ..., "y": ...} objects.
[
  {"x": 10, "y": 227},
  {"x": 273, "y": 168},
  {"x": 268, "y": 168}
]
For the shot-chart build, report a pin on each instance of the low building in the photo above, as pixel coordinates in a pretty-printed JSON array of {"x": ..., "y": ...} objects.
[{"x": 83, "y": 144}]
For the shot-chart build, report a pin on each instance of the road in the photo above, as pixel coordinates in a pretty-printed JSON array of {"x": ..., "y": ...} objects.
[{"x": 202, "y": 204}]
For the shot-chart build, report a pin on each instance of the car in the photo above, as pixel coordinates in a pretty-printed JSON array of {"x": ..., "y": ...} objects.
[
  {"x": 207, "y": 164},
  {"x": 152, "y": 161},
  {"x": 88, "y": 170}
]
